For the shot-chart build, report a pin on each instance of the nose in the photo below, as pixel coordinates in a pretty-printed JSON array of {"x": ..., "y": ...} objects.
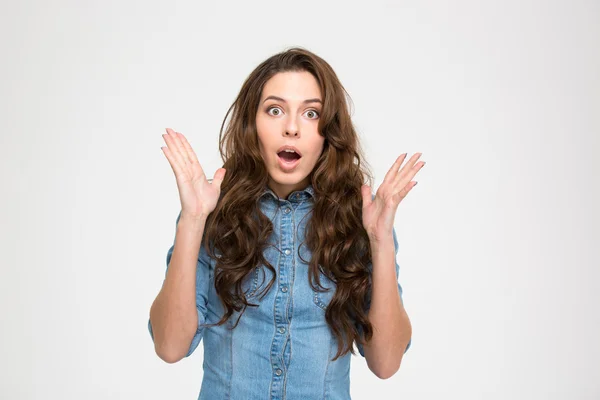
[{"x": 291, "y": 128}]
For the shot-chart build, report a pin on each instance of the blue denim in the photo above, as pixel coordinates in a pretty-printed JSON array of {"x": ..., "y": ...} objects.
[{"x": 283, "y": 348}]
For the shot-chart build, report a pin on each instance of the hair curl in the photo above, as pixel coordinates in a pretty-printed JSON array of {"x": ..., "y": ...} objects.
[{"x": 239, "y": 231}]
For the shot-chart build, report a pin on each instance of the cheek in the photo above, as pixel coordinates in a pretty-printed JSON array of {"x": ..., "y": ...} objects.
[
  {"x": 318, "y": 147},
  {"x": 266, "y": 131}
]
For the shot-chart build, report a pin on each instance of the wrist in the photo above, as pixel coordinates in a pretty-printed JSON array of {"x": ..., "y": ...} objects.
[
  {"x": 194, "y": 223},
  {"x": 381, "y": 241}
]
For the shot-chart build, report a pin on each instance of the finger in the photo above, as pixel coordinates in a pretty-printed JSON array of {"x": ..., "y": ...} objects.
[
  {"x": 181, "y": 147},
  {"x": 174, "y": 164},
  {"x": 409, "y": 170},
  {"x": 175, "y": 153},
  {"x": 188, "y": 148},
  {"x": 177, "y": 147},
  {"x": 404, "y": 192},
  {"x": 391, "y": 174},
  {"x": 367, "y": 197},
  {"x": 219, "y": 176},
  {"x": 410, "y": 163}
]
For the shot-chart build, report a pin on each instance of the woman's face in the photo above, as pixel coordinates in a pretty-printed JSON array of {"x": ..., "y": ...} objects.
[{"x": 288, "y": 115}]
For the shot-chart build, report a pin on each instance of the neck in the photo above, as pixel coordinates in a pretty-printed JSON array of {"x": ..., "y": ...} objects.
[{"x": 283, "y": 191}]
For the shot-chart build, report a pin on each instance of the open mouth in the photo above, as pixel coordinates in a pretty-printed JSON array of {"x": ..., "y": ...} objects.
[
  {"x": 288, "y": 156},
  {"x": 288, "y": 160}
]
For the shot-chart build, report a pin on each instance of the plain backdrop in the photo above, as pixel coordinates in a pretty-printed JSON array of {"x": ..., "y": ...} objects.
[{"x": 499, "y": 242}]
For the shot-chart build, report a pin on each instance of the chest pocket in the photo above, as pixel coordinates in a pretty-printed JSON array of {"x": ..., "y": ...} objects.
[
  {"x": 322, "y": 299},
  {"x": 255, "y": 283},
  {"x": 250, "y": 284}
]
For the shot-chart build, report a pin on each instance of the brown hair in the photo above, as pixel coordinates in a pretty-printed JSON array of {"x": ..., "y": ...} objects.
[{"x": 239, "y": 231}]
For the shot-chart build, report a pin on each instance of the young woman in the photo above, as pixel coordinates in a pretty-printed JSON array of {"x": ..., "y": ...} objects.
[{"x": 285, "y": 259}]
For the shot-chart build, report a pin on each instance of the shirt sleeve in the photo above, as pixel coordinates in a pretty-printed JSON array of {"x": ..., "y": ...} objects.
[
  {"x": 368, "y": 305},
  {"x": 202, "y": 288}
]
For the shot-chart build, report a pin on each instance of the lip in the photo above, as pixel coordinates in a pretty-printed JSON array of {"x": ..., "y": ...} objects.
[{"x": 286, "y": 147}]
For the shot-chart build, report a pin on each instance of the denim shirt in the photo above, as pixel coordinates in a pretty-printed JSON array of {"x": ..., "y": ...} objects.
[{"x": 283, "y": 348}]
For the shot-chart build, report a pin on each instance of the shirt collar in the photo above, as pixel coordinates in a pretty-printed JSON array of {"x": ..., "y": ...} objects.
[{"x": 295, "y": 196}]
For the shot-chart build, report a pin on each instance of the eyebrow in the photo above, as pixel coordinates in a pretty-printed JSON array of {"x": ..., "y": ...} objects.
[{"x": 315, "y": 100}]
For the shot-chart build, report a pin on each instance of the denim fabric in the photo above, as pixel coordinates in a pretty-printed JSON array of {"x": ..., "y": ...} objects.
[{"x": 283, "y": 348}]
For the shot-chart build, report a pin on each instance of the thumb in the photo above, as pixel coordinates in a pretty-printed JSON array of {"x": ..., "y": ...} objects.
[
  {"x": 367, "y": 197},
  {"x": 219, "y": 176}
]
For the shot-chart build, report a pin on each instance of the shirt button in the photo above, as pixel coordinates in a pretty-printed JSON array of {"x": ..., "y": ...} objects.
[
  {"x": 281, "y": 330},
  {"x": 278, "y": 372},
  {"x": 284, "y": 289},
  {"x": 287, "y": 252},
  {"x": 287, "y": 210}
]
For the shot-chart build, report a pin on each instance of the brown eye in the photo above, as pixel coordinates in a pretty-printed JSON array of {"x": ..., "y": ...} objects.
[
  {"x": 312, "y": 114},
  {"x": 274, "y": 109}
]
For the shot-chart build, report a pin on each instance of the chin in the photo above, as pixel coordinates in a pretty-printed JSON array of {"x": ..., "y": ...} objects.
[{"x": 289, "y": 179}]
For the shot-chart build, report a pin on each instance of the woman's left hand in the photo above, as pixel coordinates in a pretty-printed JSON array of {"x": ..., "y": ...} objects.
[{"x": 378, "y": 213}]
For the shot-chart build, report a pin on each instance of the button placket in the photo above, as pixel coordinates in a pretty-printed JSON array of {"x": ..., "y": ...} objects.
[{"x": 281, "y": 318}]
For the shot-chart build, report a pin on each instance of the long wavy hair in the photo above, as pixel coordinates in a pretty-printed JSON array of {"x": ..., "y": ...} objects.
[{"x": 238, "y": 231}]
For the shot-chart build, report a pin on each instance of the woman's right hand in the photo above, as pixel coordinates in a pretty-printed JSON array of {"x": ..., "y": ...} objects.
[{"x": 198, "y": 196}]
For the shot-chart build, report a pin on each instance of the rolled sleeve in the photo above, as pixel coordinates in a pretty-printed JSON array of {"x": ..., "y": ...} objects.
[
  {"x": 202, "y": 288},
  {"x": 360, "y": 347}
]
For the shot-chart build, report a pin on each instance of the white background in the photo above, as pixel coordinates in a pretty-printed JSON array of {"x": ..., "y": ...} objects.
[{"x": 499, "y": 241}]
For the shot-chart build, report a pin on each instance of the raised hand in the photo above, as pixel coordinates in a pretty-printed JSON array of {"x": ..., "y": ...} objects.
[
  {"x": 379, "y": 212},
  {"x": 197, "y": 194}
]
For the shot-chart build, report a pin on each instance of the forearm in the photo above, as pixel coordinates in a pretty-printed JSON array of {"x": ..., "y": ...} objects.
[
  {"x": 391, "y": 326},
  {"x": 173, "y": 315}
]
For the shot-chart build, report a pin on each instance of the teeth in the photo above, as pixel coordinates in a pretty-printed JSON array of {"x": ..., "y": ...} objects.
[{"x": 289, "y": 151}]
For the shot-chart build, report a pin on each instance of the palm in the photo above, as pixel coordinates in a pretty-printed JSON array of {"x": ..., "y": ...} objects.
[
  {"x": 375, "y": 216},
  {"x": 198, "y": 195}
]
